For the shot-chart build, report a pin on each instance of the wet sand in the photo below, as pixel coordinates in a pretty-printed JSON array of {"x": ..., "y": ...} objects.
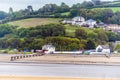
[
  {"x": 48, "y": 78},
  {"x": 73, "y": 59}
]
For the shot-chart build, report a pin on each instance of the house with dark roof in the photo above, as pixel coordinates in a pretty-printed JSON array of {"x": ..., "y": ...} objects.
[
  {"x": 101, "y": 25},
  {"x": 103, "y": 49}
]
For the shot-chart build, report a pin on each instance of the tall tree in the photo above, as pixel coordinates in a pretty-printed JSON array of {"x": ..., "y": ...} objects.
[
  {"x": 90, "y": 45},
  {"x": 10, "y": 10},
  {"x": 81, "y": 33},
  {"x": 30, "y": 9}
]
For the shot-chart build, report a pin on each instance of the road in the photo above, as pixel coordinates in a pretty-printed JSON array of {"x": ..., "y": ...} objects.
[{"x": 60, "y": 70}]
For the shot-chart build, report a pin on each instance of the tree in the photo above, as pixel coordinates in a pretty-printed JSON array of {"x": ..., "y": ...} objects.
[
  {"x": 3, "y": 15},
  {"x": 64, "y": 43},
  {"x": 5, "y": 29},
  {"x": 81, "y": 33},
  {"x": 30, "y": 9},
  {"x": 90, "y": 45},
  {"x": 102, "y": 36},
  {"x": 92, "y": 35},
  {"x": 22, "y": 32},
  {"x": 64, "y": 7},
  {"x": 87, "y": 4},
  {"x": 74, "y": 12},
  {"x": 76, "y": 6},
  {"x": 111, "y": 36},
  {"x": 10, "y": 10},
  {"x": 117, "y": 47},
  {"x": 49, "y": 9}
]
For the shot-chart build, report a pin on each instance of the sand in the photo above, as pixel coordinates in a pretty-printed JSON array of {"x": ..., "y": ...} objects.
[
  {"x": 48, "y": 78},
  {"x": 72, "y": 59}
]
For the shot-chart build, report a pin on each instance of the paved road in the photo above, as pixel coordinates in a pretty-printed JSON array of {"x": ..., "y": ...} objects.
[{"x": 60, "y": 70}]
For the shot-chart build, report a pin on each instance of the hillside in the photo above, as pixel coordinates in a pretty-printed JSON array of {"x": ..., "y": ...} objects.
[
  {"x": 114, "y": 9},
  {"x": 32, "y": 22},
  {"x": 114, "y": 4}
]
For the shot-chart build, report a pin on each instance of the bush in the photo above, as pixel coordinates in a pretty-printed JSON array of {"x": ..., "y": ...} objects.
[
  {"x": 5, "y": 51},
  {"x": 28, "y": 53},
  {"x": 13, "y": 52}
]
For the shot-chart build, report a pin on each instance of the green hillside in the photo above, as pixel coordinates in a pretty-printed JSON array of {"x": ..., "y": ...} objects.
[
  {"x": 115, "y": 9},
  {"x": 32, "y": 22}
]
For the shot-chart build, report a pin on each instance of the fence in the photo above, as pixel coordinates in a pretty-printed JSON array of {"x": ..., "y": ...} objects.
[{"x": 25, "y": 56}]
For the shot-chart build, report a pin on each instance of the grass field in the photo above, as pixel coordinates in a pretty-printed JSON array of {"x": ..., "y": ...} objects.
[
  {"x": 113, "y": 3},
  {"x": 114, "y": 9},
  {"x": 70, "y": 30},
  {"x": 65, "y": 13},
  {"x": 32, "y": 22}
]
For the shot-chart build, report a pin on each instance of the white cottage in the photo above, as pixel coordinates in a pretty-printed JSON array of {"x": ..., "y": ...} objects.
[
  {"x": 103, "y": 49},
  {"x": 48, "y": 48},
  {"x": 78, "y": 20},
  {"x": 91, "y": 23}
]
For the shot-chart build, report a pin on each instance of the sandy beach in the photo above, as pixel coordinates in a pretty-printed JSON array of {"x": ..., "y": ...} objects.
[
  {"x": 48, "y": 78},
  {"x": 73, "y": 59},
  {"x": 60, "y": 59},
  {"x": 66, "y": 59}
]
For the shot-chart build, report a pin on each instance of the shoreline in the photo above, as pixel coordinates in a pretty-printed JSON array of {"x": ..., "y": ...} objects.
[{"x": 67, "y": 63}]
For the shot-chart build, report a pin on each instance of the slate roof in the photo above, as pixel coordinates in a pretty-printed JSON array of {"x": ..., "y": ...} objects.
[
  {"x": 90, "y": 20},
  {"x": 48, "y": 46},
  {"x": 104, "y": 46}
]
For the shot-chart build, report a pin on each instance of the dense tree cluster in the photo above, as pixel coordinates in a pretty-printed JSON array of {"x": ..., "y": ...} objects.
[
  {"x": 36, "y": 37},
  {"x": 104, "y": 15},
  {"x": 42, "y": 31}
]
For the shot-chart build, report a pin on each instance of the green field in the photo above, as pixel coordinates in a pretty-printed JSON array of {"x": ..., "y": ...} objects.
[
  {"x": 32, "y": 22},
  {"x": 65, "y": 13},
  {"x": 70, "y": 30},
  {"x": 114, "y": 9},
  {"x": 113, "y": 3}
]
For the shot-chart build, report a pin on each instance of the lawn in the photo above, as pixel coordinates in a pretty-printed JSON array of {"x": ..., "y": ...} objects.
[
  {"x": 65, "y": 13},
  {"x": 70, "y": 30},
  {"x": 32, "y": 22},
  {"x": 115, "y": 9}
]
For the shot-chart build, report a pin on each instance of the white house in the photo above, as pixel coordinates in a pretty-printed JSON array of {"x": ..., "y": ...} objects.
[
  {"x": 78, "y": 20},
  {"x": 48, "y": 48},
  {"x": 67, "y": 21},
  {"x": 103, "y": 49},
  {"x": 91, "y": 23}
]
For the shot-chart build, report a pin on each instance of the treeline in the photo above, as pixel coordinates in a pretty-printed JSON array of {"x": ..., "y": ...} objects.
[
  {"x": 84, "y": 9},
  {"x": 105, "y": 15},
  {"x": 34, "y": 38}
]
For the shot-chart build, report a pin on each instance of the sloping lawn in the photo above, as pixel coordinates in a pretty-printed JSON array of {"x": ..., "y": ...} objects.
[{"x": 32, "y": 22}]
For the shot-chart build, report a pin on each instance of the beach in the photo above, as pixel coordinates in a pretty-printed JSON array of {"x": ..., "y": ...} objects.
[{"x": 48, "y": 78}]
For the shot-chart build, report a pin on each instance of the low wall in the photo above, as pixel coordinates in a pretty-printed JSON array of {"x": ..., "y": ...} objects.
[{"x": 69, "y": 52}]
